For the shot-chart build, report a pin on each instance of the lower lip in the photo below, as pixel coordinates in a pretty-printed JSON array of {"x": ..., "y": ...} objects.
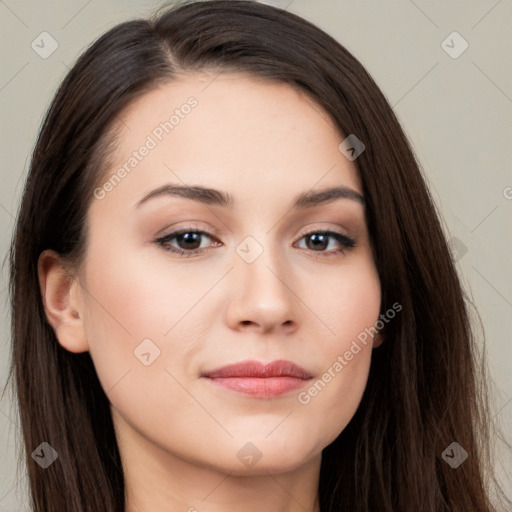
[{"x": 260, "y": 387}]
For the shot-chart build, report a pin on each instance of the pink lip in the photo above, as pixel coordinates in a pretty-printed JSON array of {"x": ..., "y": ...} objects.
[{"x": 259, "y": 380}]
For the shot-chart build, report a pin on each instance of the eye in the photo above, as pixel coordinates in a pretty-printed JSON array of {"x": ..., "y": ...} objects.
[
  {"x": 188, "y": 241},
  {"x": 317, "y": 241}
]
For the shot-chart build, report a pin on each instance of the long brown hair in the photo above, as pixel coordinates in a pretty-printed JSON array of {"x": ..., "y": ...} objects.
[{"x": 426, "y": 388}]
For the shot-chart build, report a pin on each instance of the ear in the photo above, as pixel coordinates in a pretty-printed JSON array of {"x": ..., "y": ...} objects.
[
  {"x": 378, "y": 339},
  {"x": 60, "y": 294}
]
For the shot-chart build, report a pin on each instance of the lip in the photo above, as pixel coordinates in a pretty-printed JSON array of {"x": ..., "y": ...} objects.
[{"x": 259, "y": 380}]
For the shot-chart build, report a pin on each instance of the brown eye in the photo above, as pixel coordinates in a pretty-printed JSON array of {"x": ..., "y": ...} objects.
[
  {"x": 188, "y": 241},
  {"x": 318, "y": 241}
]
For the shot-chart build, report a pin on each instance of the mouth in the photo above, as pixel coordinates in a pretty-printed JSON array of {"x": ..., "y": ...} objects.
[{"x": 258, "y": 380}]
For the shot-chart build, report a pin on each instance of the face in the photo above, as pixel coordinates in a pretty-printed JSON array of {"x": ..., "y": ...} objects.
[{"x": 177, "y": 284}]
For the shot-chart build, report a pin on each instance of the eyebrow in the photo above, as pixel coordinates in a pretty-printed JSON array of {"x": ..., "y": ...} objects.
[{"x": 211, "y": 196}]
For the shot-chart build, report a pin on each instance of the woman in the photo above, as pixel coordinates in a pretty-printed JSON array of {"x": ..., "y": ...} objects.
[{"x": 311, "y": 349}]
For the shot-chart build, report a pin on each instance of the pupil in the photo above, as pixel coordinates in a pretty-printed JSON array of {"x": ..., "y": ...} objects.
[
  {"x": 315, "y": 238},
  {"x": 188, "y": 238}
]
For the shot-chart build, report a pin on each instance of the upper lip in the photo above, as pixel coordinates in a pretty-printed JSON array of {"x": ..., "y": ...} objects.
[{"x": 278, "y": 368}]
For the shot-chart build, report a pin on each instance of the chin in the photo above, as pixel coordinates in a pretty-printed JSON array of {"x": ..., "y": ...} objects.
[{"x": 262, "y": 458}]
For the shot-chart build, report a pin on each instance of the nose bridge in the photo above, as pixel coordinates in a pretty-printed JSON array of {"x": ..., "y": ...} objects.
[
  {"x": 262, "y": 277},
  {"x": 261, "y": 263}
]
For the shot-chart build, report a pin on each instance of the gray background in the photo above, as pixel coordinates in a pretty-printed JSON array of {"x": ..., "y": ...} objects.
[{"x": 456, "y": 111}]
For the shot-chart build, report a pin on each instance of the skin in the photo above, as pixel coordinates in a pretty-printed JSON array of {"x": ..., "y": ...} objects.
[{"x": 178, "y": 433}]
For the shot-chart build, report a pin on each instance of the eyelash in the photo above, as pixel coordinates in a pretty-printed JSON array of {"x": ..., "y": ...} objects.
[{"x": 346, "y": 241}]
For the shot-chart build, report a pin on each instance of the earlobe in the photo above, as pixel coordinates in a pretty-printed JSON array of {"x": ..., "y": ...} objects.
[
  {"x": 59, "y": 295},
  {"x": 378, "y": 340}
]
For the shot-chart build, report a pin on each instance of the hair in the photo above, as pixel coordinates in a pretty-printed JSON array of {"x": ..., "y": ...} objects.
[{"x": 425, "y": 388}]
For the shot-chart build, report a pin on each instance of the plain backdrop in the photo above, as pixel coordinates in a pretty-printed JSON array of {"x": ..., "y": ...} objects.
[{"x": 455, "y": 104}]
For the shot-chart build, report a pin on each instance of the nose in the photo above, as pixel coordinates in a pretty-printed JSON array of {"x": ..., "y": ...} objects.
[{"x": 262, "y": 296}]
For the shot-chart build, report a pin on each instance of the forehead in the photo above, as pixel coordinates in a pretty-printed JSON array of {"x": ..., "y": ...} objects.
[{"x": 232, "y": 132}]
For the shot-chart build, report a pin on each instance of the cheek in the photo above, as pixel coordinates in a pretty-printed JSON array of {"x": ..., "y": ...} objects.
[
  {"x": 132, "y": 297},
  {"x": 346, "y": 302},
  {"x": 140, "y": 337},
  {"x": 145, "y": 322},
  {"x": 350, "y": 310},
  {"x": 125, "y": 308},
  {"x": 333, "y": 396}
]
